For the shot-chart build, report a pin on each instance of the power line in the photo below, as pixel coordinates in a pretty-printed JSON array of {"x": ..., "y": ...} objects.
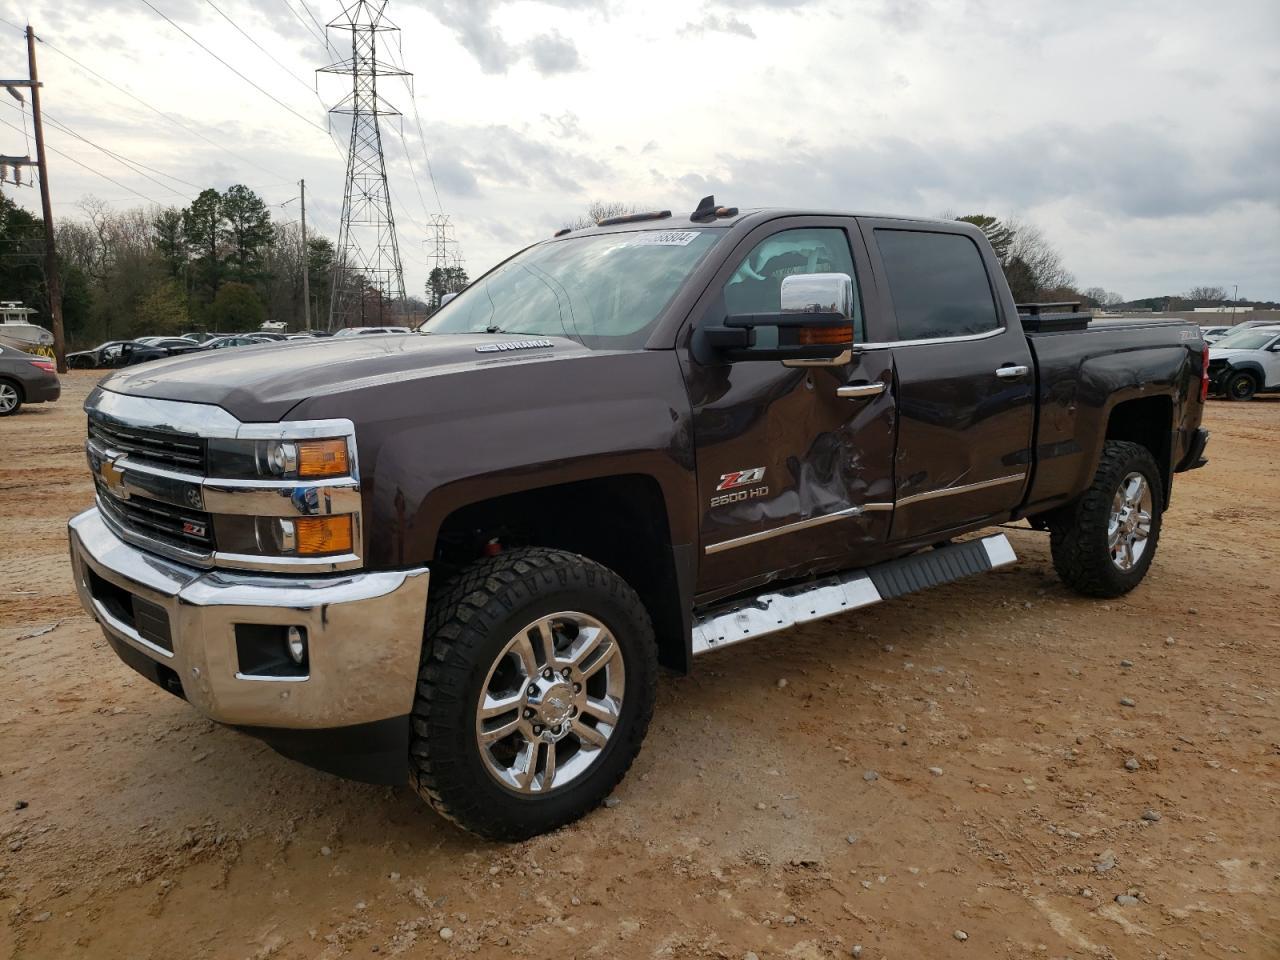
[
  {"x": 422, "y": 138},
  {"x": 306, "y": 26},
  {"x": 323, "y": 33},
  {"x": 270, "y": 56},
  {"x": 91, "y": 169},
  {"x": 157, "y": 111},
  {"x": 133, "y": 165},
  {"x": 271, "y": 97}
]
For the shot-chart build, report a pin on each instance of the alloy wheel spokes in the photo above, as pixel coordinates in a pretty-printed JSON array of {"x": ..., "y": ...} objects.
[
  {"x": 550, "y": 702},
  {"x": 1129, "y": 525}
]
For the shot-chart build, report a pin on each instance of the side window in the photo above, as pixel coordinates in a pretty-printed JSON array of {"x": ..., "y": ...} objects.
[
  {"x": 938, "y": 284},
  {"x": 756, "y": 286}
]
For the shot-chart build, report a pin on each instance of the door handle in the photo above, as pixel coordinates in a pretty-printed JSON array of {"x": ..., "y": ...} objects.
[
  {"x": 1012, "y": 372},
  {"x": 861, "y": 390}
]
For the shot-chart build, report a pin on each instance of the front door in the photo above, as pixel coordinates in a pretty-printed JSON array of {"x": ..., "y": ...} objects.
[
  {"x": 794, "y": 463},
  {"x": 965, "y": 385}
]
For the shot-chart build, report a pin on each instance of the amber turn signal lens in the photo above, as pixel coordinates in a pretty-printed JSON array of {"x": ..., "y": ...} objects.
[
  {"x": 815, "y": 336},
  {"x": 323, "y": 534},
  {"x": 322, "y": 458}
]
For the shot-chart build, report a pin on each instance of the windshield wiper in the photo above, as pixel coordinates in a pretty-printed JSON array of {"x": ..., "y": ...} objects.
[{"x": 493, "y": 328}]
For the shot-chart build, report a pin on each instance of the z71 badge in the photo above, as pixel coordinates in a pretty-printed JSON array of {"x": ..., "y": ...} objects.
[
  {"x": 741, "y": 478},
  {"x": 737, "y": 480}
]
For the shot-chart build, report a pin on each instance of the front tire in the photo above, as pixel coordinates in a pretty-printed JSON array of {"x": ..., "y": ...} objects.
[
  {"x": 1103, "y": 544},
  {"x": 1240, "y": 386},
  {"x": 537, "y": 684}
]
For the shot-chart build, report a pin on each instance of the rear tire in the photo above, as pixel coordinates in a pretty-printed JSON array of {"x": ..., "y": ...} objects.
[
  {"x": 10, "y": 398},
  {"x": 576, "y": 715},
  {"x": 1240, "y": 386},
  {"x": 1103, "y": 544}
]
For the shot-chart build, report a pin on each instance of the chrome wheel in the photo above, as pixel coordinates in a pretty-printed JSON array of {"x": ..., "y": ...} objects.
[
  {"x": 8, "y": 397},
  {"x": 550, "y": 703},
  {"x": 1130, "y": 522}
]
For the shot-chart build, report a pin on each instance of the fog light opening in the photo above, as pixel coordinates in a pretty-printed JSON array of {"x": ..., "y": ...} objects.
[{"x": 296, "y": 643}]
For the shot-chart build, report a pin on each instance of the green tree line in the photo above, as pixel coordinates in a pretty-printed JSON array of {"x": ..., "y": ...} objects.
[{"x": 220, "y": 264}]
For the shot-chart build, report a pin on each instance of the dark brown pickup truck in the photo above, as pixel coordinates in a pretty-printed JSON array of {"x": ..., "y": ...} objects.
[{"x": 624, "y": 446}]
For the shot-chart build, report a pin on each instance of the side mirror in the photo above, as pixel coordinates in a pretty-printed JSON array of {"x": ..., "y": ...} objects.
[
  {"x": 813, "y": 327},
  {"x": 446, "y": 298}
]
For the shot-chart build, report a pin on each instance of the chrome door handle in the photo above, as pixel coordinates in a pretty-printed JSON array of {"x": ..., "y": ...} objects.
[
  {"x": 861, "y": 390},
  {"x": 1012, "y": 373}
]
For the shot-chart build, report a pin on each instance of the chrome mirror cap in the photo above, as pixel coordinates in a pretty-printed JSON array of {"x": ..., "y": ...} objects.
[{"x": 818, "y": 293}]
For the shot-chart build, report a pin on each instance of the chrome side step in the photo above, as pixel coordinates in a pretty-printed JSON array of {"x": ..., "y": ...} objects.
[{"x": 767, "y": 613}]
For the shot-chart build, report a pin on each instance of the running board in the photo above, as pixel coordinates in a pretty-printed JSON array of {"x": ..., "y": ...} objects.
[{"x": 768, "y": 613}]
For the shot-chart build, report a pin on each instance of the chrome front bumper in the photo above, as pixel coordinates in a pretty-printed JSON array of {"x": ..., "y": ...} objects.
[{"x": 364, "y": 633}]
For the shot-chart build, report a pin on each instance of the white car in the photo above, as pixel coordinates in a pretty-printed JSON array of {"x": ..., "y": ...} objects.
[
  {"x": 361, "y": 331},
  {"x": 1246, "y": 362},
  {"x": 1212, "y": 335}
]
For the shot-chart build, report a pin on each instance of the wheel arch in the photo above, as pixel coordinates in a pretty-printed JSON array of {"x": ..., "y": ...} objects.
[
  {"x": 620, "y": 521},
  {"x": 1147, "y": 421}
]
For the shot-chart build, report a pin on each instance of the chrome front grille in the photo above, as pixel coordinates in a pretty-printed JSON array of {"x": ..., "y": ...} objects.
[
  {"x": 177, "y": 450},
  {"x": 151, "y": 461},
  {"x": 183, "y": 528}
]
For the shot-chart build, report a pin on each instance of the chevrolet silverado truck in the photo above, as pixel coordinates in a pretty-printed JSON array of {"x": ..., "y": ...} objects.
[{"x": 455, "y": 559}]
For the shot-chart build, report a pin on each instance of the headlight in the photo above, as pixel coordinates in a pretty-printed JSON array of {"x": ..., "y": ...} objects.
[
  {"x": 279, "y": 459},
  {"x": 287, "y": 536}
]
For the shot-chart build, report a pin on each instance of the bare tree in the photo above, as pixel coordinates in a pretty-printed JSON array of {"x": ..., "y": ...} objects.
[
  {"x": 1208, "y": 294},
  {"x": 1103, "y": 298},
  {"x": 598, "y": 210},
  {"x": 1043, "y": 262}
]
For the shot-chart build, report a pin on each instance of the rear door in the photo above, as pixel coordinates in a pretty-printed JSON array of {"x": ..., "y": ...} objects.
[
  {"x": 965, "y": 377},
  {"x": 794, "y": 463}
]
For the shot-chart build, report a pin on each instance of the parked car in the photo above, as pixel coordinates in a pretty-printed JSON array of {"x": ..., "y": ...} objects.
[
  {"x": 636, "y": 443},
  {"x": 1246, "y": 363},
  {"x": 235, "y": 340},
  {"x": 202, "y": 336},
  {"x": 1214, "y": 334},
  {"x": 25, "y": 378},
  {"x": 271, "y": 335},
  {"x": 363, "y": 331},
  {"x": 125, "y": 353}
]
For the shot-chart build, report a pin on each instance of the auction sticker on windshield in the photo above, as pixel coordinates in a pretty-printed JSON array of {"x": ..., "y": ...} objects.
[{"x": 664, "y": 238}]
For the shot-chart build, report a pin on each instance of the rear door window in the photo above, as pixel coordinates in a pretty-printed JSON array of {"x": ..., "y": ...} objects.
[{"x": 938, "y": 284}]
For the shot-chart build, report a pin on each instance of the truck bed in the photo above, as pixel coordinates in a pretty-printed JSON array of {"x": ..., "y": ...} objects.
[{"x": 1083, "y": 371}]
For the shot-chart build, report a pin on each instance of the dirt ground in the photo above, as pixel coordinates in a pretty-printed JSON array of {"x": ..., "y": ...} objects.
[{"x": 791, "y": 819}]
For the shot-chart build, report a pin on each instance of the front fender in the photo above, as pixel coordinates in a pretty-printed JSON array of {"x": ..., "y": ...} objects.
[{"x": 431, "y": 445}]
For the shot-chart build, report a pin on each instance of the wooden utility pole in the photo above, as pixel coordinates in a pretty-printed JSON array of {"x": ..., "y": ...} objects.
[
  {"x": 52, "y": 282},
  {"x": 306, "y": 259}
]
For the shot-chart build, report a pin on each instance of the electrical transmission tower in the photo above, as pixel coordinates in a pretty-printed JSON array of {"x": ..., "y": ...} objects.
[
  {"x": 368, "y": 274},
  {"x": 447, "y": 269}
]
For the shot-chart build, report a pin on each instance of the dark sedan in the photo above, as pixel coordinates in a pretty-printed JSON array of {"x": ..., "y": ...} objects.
[
  {"x": 25, "y": 379},
  {"x": 125, "y": 353}
]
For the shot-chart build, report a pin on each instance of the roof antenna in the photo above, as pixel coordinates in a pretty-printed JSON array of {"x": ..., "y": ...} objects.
[{"x": 706, "y": 210}]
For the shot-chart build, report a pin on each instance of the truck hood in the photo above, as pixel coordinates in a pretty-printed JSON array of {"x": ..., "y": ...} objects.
[{"x": 263, "y": 383}]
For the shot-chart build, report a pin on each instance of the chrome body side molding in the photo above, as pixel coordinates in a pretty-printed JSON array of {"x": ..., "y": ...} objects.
[
  {"x": 808, "y": 524},
  {"x": 730, "y": 623},
  {"x": 964, "y": 488}
]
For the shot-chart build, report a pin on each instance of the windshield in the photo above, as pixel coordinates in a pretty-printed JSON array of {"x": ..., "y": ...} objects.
[
  {"x": 1246, "y": 340},
  {"x": 605, "y": 290}
]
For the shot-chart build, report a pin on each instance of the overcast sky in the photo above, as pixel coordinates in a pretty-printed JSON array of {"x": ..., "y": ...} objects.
[{"x": 1143, "y": 137}]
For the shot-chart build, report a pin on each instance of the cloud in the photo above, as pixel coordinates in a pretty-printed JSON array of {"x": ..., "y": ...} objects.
[
  {"x": 565, "y": 126},
  {"x": 1126, "y": 170},
  {"x": 553, "y": 53},
  {"x": 473, "y": 23},
  {"x": 714, "y": 23}
]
